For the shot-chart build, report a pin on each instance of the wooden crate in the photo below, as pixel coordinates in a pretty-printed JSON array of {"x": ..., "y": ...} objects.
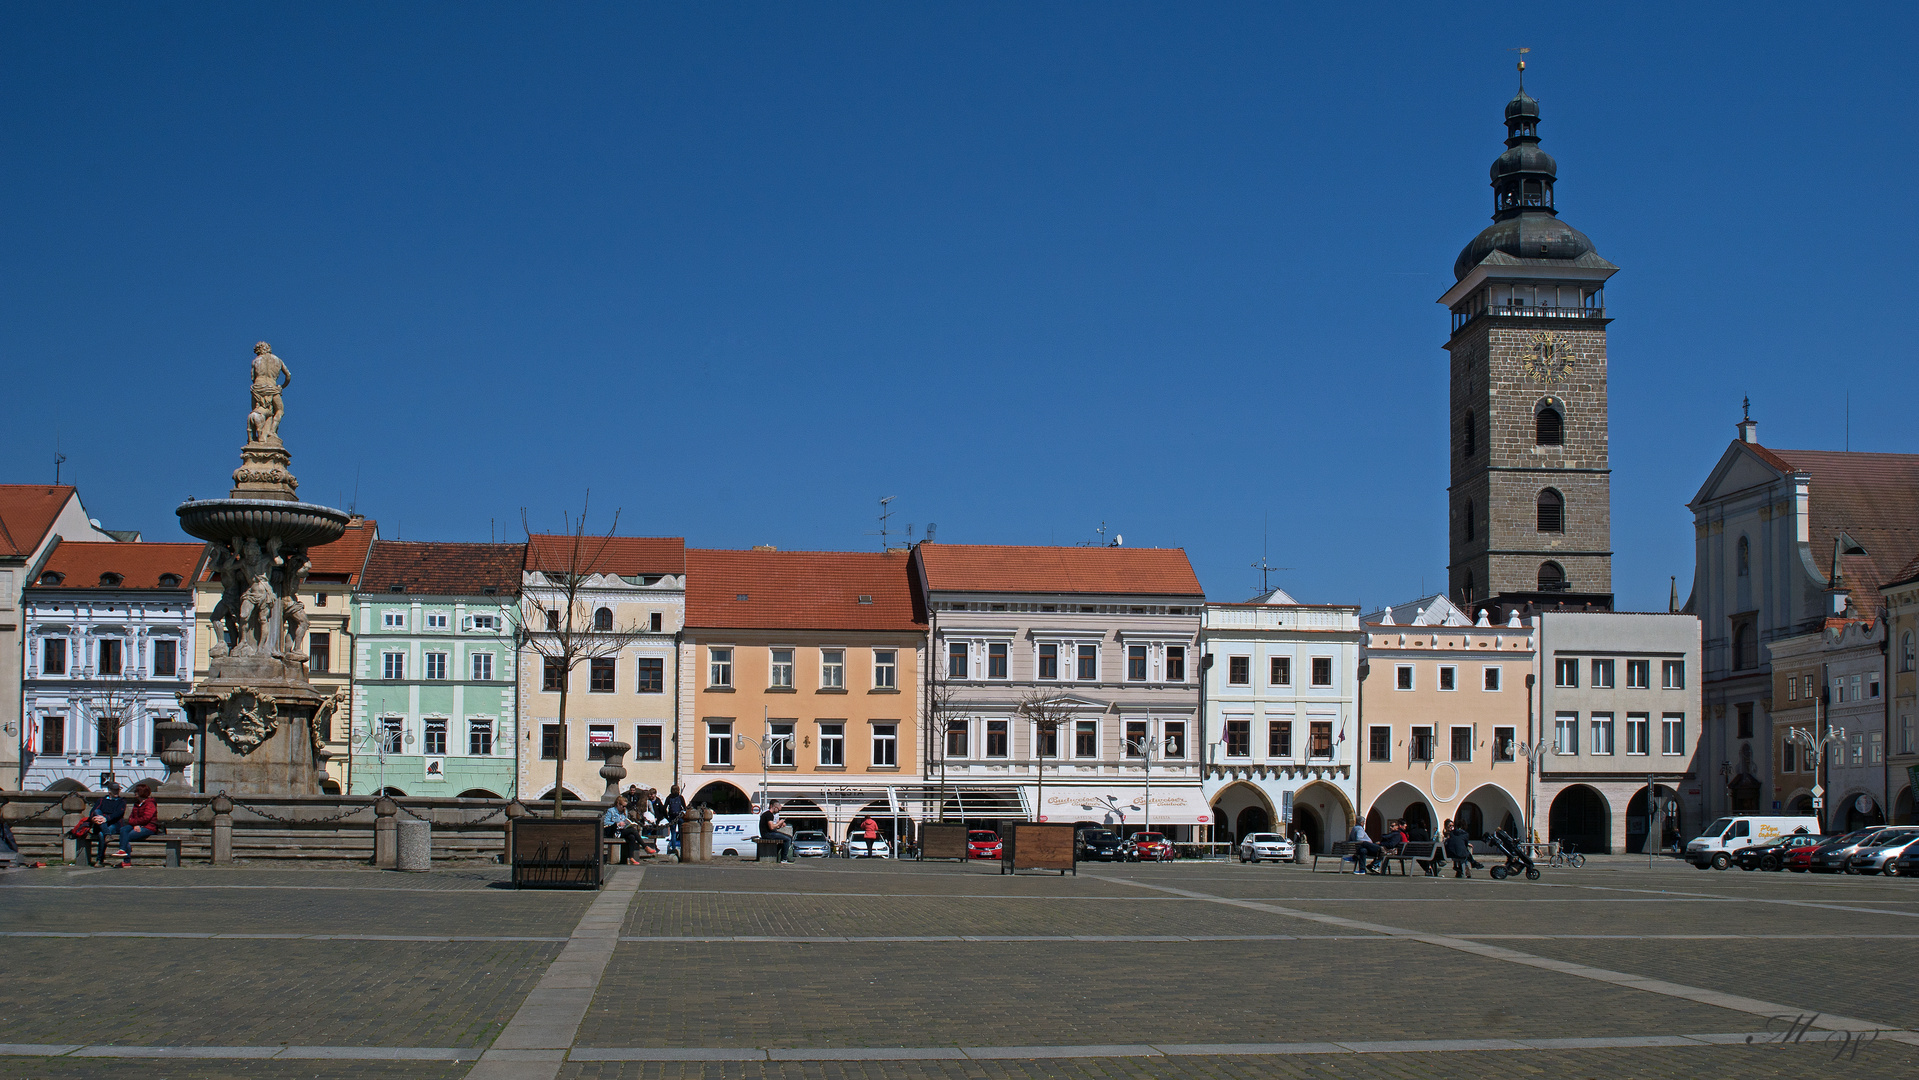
[
  {"x": 556, "y": 853},
  {"x": 1032, "y": 845}
]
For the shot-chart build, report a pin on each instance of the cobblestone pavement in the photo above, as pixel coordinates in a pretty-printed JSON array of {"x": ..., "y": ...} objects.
[{"x": 1121, "y": 972}]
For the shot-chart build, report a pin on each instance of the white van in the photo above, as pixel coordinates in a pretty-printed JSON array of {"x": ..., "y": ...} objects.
[
  {"x": 733, "y": 834},
  {"x": 1715, "y": 846}
]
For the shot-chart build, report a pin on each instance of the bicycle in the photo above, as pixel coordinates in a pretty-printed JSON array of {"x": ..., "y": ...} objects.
[{"x": 1567, "y": 856}]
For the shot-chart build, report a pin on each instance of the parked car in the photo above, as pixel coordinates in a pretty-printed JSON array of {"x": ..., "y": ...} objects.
[
  {"x": 1103, "y": 845},
  {"x": 812, "y": 844},
  {"x": 1152, "y": 845},
  {"x": 1771, "y": 854},
  {"x": 1877, "y": 854},
  {"x": 1830, "y": 857},
  {"x": 1714, "y": 847},
  {"x": 1907, "y": 863},
  {"x": 1261, "y": 846},
  {"x": 1799, "y": 859},
  {"x": 860, "y": 847},
  {"x": 982, "y": 844}
]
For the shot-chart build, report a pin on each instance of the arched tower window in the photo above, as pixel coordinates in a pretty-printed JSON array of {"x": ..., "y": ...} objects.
[
  {"x": 1745, "y": 557},
  {"x": 1906, "y": 656},
  {"x": 1745, "y": 648},
  {"x": 1549, "y": 426},
  {"x": 1552, "y": 511},
  {"x": 1469, "y": 434},
  {"x": 1470, "y": 587},
  {"x": 1467, "y": 527},
  {"x": 603, "y": 619},
  {"x": 1552, "y": 577}
]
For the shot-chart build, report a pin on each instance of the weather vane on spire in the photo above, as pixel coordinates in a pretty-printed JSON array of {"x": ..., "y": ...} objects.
[{"x": 1522, "y": 51}]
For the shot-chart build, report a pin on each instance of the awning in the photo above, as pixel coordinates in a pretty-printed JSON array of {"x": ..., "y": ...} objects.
[{"x": 1171, "y": 805}]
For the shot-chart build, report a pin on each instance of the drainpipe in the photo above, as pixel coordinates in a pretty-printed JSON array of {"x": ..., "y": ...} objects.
[{"x": 1205, "y": 747}]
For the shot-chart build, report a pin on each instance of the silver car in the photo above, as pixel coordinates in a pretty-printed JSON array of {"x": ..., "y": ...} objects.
[
  {"x": 812, "y": 844},
  {"x": 1877, "y": 855},
  {"x": 1262, "y": 846}
]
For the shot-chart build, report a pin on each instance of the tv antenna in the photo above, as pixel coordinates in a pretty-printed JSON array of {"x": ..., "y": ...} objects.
[
  {"x": 59, "y": 459},
  {"x": 1116, "y": 541},
  {"x": 886, "y": 516},
  {"x": 1263, "y": 566}
]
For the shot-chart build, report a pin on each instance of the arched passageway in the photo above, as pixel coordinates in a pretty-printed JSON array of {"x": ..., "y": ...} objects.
[{"x": 1579, "y": 816}]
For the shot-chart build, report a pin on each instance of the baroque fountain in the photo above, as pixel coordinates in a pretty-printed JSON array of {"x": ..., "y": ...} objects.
[{"x": 258, "y": 718}]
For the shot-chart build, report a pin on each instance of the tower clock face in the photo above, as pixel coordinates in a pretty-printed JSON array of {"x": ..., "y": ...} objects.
[{"x": 1548, "y": 357}]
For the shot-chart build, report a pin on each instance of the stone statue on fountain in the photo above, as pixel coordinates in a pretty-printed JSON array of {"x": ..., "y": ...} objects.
[{"x": 256, "y": 698}]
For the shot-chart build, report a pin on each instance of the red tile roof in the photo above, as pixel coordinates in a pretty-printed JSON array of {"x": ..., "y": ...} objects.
[
  {"x": 443, "y": 569},
  {"x": 27, "y": 511},
  {"x": 1874, "y": 498},
  {"x": 627, "y": 556},
  {"x": 1084, "y": 570},
  {"x": 801, "y": 590},
  {"x": 1907, "y": 574},
  {"x": 81, "y": 565}
]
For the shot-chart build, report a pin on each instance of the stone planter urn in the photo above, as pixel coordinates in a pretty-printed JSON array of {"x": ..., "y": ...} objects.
[
  {"x": 613, "y": 771},
  {"x": 175, "y": 752}
]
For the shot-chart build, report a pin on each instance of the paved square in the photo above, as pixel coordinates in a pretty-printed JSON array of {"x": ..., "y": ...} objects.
[{"x": 874, "y": 969}]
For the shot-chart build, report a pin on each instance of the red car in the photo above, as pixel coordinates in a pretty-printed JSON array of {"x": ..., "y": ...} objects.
[
  {"x": 1152, "y": 847},
  {"x": 1799, "y": 859},
  {"x": 982, "y": 844}
]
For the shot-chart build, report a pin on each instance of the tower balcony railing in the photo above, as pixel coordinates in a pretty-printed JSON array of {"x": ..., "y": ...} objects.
[{"x": 1527, "y": 311}]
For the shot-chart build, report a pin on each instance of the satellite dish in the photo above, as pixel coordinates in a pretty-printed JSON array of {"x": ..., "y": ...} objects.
[{"x": 1118, "y": 540}]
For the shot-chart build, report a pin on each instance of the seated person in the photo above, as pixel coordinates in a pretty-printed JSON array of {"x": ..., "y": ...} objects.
[{"x": 615, "y": 823}]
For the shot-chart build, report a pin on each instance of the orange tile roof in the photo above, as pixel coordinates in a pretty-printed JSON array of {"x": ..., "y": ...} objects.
[
  {"x": 1874, "y": 498},
  {"x": 27, "y": 511},
  {"x": 81, "y": 564},
  {"x": 443, "y": 569},
  {"x": 801, "y": 590},
  {"x": 1084, "y": 570},
  {"x": 628, "y": 556}
]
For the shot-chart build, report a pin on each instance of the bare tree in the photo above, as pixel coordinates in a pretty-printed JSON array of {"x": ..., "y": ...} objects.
[
  {"x": 560, "y": 626},
  {"x": 943, "y": 716},
  {"x": 1046, "y": 710},
  {"x": 116, "y": 701}
]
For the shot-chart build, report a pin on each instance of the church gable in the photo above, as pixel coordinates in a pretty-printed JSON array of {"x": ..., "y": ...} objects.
[{"x": 1739, "y": 469}]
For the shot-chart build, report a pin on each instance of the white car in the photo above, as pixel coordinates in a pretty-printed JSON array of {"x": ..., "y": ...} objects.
[
  {"x": 1260, "y": 846},
  {"x": 861, "y": 848}
]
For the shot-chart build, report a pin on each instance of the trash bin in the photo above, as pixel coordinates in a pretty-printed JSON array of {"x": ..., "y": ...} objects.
[{"x": 415, "y": 843}]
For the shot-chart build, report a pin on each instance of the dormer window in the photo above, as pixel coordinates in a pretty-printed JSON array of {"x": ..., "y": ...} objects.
[
  {"x": 52, "y": 577},
  {"x": 110, "y": 580},
  {"x": 169, "y": 581}
]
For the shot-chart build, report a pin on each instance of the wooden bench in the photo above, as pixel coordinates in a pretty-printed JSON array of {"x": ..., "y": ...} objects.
[
  {"x": 1339, "y": 852},
  {"x": 764, "y": 846},
  {"x": 1344, "y": 849}
]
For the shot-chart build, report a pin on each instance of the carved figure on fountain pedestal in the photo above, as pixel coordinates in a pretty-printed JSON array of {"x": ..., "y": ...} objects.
[
  {"x": 225, "y": 616},
  {"x": 293, "y": 575},
  {"x": 263, "y": 422}
]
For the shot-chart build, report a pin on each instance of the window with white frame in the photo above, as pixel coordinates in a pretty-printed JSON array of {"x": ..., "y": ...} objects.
[
  {"x": 1462, "y": 744},
  {"x": 958, "y": 665},
  {"x": 1566, "y": 671},
  {"x": 393, "y": 620},
  {"x": 719, "y": 667},
  {"x": 1175, "y": 663},
  {"x": 719, "y": 742},
  {"x": 1048, "y": 661},
  {"x": 53, "y": 656},
  {"x": 482, "y": 666},
  {"x": 1674, "y": 672},
  {"x": 1086, "y": 738},
  {"x": 1638, "y": 734},
  {"x": 1907, "y": 742},
  {"x": 832, "y": 669},
  {"x": 650, "y": 675},
  {"x": 1672, "y": 734},
  {"x": 886, "y": 746},
  {"x": 166, "y": 654},
  {"x": 1239, "y": 670},
  {"x": 1239, "y": 736},
  {"x": 1876, "y": 748},
  {"x": 996, "y": 659},
  {"x": 1601, "y": 727},
  {"x": 392, "y": 733},
  {"x": 1448, "y": 677},
  {"x": 479, "y": 737},
  {"x": 393, "y": 665},
  {"x": 1505, "y": 744},
  {"x": 1174, "y": 742},
  {"x": 779, "y": 744},
  {"x": 1489, "y": 678},
  {"x": 1856, "y": 749},
  {"x": 1379, "y": 743},
  {"x": 647, "y": 743},
  {"x": 780, "y": 669},
  {"x": 436, "y": 620},
  {"x": 832, "y": 745},
  {"x": 1322, "y": 671},
  {"x": 957, "y": 743},
  {"x": 886, "y": 669},
  {"x": 998, "y": 739},
  {"x": 1280, "y": 671},
  {"x": 1089, "y": 663},
  {"x": 1566, "y": 733},
  {"x": 435, "y": 664},
  {"x": 1639, "y": 674},
  {"x": 1602, "y": 674},
  {"x": 483, "y": 622},
  {"x": 1135, "y": 663},
  {"x": 1403, "y": 677},
  {"x": 1421, "y": 748}
]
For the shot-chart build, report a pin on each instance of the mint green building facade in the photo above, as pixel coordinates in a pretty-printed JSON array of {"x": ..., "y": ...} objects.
[{"x": 435, "y": 670}]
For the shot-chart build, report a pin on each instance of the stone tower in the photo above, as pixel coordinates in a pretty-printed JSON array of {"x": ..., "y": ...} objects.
[{"x": 1530, "y": 500}]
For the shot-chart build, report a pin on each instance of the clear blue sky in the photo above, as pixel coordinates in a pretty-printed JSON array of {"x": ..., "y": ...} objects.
[{"x": 741, "y": 269}]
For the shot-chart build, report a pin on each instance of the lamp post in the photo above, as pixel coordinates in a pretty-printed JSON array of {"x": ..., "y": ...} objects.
[
  {"x": 1145, "y": 747},
  {"x": 1815, "y": 748},
  {"x": 1534, "y": 754},
  {"x": 765, "y": 743},
  {"x": 384, "y": 740}
]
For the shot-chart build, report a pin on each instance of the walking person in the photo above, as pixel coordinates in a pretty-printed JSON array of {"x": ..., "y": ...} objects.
[
  {"x": 675, "y": 813},
  {"x": 105, "y": 818}
]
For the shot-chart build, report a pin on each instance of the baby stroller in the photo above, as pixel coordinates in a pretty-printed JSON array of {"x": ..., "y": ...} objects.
[{"x": 1516, "y": 858}]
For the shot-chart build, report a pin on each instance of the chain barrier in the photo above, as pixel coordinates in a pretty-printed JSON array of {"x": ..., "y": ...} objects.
[
  {"x": 270, "y": 816},
  {"x": 495, "y": 812},
  {"x": 42, "y": 812}
]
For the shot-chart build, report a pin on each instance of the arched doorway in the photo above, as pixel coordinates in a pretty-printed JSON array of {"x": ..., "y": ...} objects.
[
  {"x": 1231, "y": 807},
  {"x": 1800, "y": 805},
  {"x": 1902, "y": 807},
  {"x": 1402, "y": 801},
  {"x": 68, "y": 784},
  {"x": 1579, "y": 816},
  {"x": 1251, "y": 820},
  {"x": 1490, "y": 807},
  {"x": 1863, "y": 812},
  {"x": 1328, "y": 811},
  {"x": 1637, "y": 822},
  {"x": 477, "y": 793},
  {"x": 722, "y": 798},
  {"x": 804, "y": 814}
]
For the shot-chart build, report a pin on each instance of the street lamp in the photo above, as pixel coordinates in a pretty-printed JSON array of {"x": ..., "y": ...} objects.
[
  {"x": 384, "y": 740},
  {"x": 1534, "y": 755},
  {"x": 765, "y": 744},
  {"x": 1815, "y": 747},
  {"x": 1145, "y": 746}
]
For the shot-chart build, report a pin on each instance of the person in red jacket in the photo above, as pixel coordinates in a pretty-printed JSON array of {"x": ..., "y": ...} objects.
[{"x": 141, "y": 821}]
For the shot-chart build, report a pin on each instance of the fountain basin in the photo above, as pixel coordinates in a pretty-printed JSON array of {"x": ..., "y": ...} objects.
[{"x": 297, "y": 524}]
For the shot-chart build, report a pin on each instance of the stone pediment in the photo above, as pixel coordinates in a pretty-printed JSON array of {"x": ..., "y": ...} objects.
[{"x": 1739, "y": 469}]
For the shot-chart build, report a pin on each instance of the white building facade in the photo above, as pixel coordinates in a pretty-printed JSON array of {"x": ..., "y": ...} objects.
[
  {"x": 1281, "y": 685},
  {"x": 109, "y": 644}
]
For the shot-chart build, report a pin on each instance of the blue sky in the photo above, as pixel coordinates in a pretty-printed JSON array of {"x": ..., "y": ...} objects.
[{"x": 740, "y": 270}]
